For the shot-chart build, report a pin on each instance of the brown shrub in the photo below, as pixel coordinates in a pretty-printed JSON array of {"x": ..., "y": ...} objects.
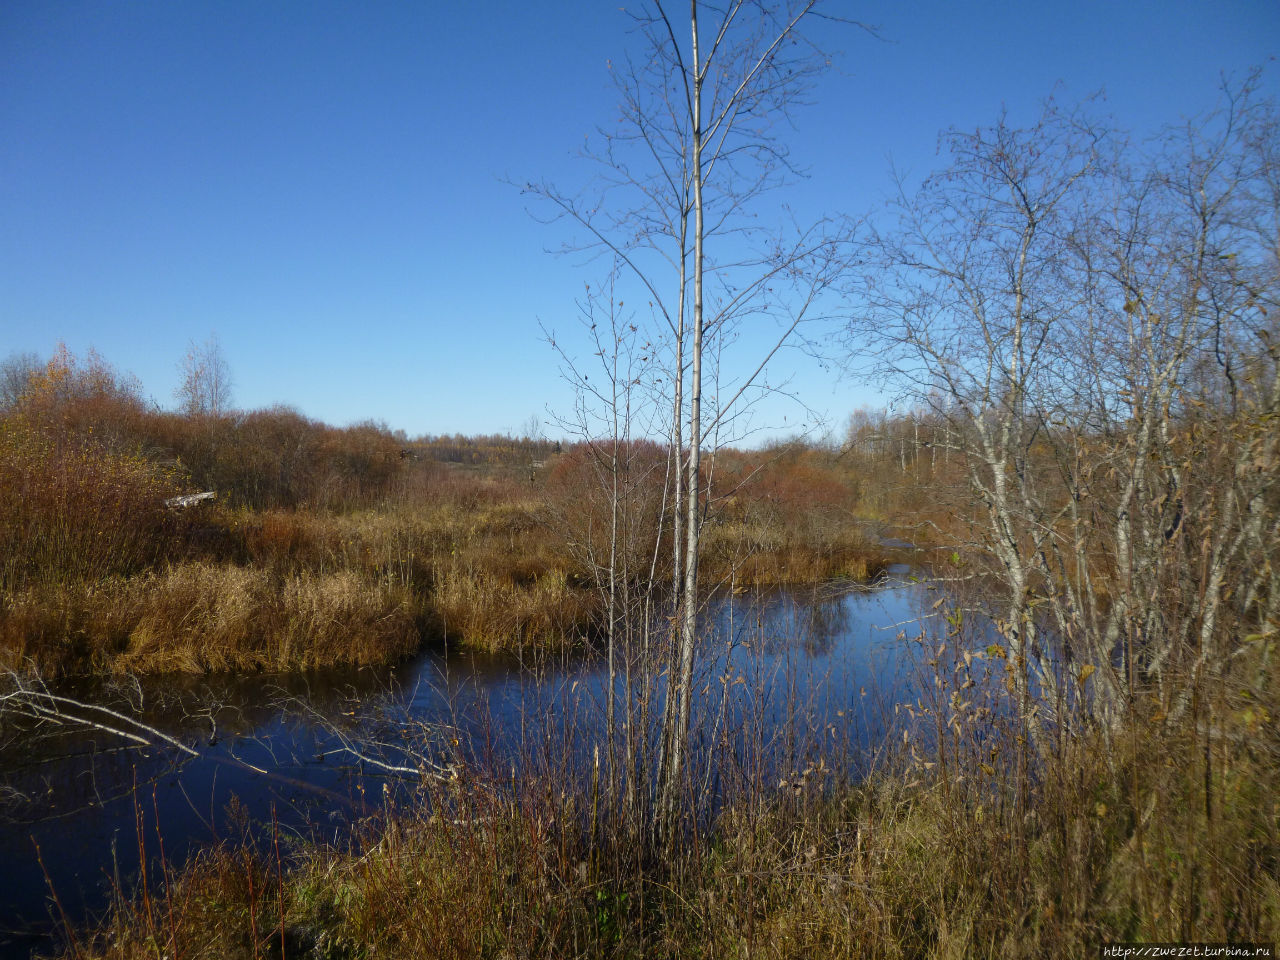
[{"x": 70, "y": 510}]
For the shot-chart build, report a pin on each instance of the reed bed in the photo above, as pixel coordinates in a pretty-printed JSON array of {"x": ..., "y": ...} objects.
[
  {"x": 201, "y": 617},
  {"x": 763, "y": 555},
  {"x": 329, "y": 546},
  {"x": 1149, "y": 832}
]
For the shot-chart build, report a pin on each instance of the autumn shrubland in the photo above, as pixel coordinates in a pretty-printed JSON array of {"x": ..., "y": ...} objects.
[
  {"x": 963, "y": 840},
  {"x": 351, "y": 545}
]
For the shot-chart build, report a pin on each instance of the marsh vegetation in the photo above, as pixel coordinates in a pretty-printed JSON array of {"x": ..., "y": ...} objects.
[{"x": 1085, "y": 471}]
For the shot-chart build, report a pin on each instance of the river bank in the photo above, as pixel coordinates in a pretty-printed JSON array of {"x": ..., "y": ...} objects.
[
  {"x": 307, "y": 591},
  {"x": 316, "y": 753},
  {"x": 134, "y": 540},
  {"x": 843, "y": 825}
]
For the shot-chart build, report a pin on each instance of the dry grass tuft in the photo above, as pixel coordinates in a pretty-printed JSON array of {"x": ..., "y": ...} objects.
[
  {"x": 769, "y": 553},
  {"x": 200, "y": 617}
]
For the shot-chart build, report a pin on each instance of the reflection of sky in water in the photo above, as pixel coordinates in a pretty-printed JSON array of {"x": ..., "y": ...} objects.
[
  {"x": 768, "y": 659},
  {"x": 782, "y": 678}
]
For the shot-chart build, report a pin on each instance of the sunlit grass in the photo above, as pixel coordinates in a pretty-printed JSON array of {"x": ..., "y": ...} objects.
[{"x": 1152, "y": 833}]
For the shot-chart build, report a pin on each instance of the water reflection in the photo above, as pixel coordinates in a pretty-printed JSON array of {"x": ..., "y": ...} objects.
[{"x": 781, "y": 678}]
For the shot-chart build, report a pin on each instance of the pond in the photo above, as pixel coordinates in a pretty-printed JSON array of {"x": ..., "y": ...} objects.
[{"x": 793, "y": 675}]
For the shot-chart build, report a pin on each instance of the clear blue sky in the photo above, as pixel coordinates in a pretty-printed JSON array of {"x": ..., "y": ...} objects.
[{"x": 322, "y": 184}]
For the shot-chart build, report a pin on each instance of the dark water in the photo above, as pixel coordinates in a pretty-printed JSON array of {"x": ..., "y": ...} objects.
[{"x": 782, "y": 678}]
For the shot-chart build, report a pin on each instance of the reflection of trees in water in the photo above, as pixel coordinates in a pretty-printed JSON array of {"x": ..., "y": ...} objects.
[
  {"x": 772, "y": 624},
  {"x": 809, "y": 621},
  {"x": 825, "y": 621}
]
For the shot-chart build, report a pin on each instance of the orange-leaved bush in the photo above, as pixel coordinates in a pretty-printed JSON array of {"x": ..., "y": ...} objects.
[{"x": 71, "y": 510}]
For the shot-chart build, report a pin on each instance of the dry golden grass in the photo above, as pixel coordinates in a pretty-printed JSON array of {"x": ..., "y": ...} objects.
[
  {"x": 770, "y": 554},
  {"x": 204, "y": 617},
  {"x": 918, "y": 864},
  {"x": 313, "y": 589},
  {"x": 282, "y": 589},
  {"x": 501, "y": 579},
  {"x": 492, "y": 611},
  {"x": 418, "y": 886}
]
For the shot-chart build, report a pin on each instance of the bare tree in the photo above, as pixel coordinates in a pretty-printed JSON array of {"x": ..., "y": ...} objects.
[
  {"x": 206, "y": 380},
  {"x": 618, "y": 510},
  {"x": 1080, "y": 311},
  {"x": 684, "y": 179}
]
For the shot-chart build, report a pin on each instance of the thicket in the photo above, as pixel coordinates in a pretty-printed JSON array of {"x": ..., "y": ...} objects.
[{"x": 329, "y": 545}]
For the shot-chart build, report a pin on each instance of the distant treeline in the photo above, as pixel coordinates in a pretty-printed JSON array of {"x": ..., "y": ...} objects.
[
  {"x": 262, "y": 459},
  {"x": 494, "y": 448}
]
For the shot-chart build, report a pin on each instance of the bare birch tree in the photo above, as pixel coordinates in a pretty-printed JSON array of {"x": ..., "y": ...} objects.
[
  {"x": 205, "y": 389},
  {"x": 683, "y": 180},
  {"x": 1082, "y": 310}
]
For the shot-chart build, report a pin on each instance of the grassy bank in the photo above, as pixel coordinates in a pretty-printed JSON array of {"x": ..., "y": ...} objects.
[
  {"x": 355, "y": 545},
  {"x": 198, "y": 617},
  {"x": 1156, "y": 832},
  {"x": 280, "y": 590}
]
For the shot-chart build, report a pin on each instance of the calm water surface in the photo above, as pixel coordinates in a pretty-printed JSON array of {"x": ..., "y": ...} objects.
[{"x": 273, "y": 748}]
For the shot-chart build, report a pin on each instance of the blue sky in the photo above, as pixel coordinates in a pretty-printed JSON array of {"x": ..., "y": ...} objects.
[{"x": 324, "y": 185}]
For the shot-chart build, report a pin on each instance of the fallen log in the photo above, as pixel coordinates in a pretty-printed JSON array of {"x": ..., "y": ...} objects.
[{"x": 190, "y": 499}]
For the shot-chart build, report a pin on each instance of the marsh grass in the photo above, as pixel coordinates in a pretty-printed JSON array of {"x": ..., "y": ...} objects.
[
  {"x": 333, "y": 546},
  {"x": 199, "y": 617},
  {"x": 1156, "y": 830},
  {"x": 761, "y": 554},
  {"x": 307, "y": 590},
  {"x": 492, "y": 574}
]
